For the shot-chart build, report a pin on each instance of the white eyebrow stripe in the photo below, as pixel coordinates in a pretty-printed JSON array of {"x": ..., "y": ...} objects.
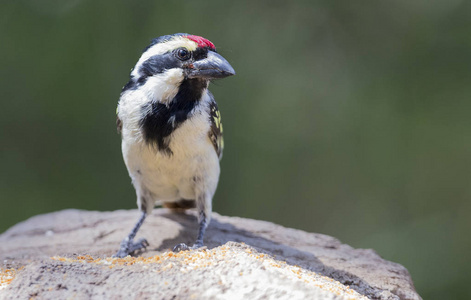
[{"x": 162, "y": 48}]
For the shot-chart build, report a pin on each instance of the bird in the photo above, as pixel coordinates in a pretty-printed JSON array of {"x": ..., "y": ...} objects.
[{"x": 171, "y": 130}]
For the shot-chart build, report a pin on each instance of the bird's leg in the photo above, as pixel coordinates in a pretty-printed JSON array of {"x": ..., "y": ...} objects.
[
  {"x": 203, "y": 223},
  {"x": 202, "y": 229},
  {"x": 204, "y": 209},
  {"x": 128, "y": 246}
]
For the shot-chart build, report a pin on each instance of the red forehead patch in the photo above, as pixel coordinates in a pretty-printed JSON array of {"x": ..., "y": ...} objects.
[{"x": 201, "y": 41}]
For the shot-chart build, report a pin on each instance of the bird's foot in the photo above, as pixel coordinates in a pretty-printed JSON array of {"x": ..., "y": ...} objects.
[
  {"x": 185, "y": 247},
  {"x": 128, "y": 247}
]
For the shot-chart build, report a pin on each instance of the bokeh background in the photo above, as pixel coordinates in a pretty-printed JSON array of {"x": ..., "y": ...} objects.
[{"x": 348, "y": 118}]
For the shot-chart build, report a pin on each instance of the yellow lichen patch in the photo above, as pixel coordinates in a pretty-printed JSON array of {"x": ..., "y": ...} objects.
[
  {"x": 187, "y": 257},
  {"x": 188, "y": 261},
  {"x": 6, "y": 277}
]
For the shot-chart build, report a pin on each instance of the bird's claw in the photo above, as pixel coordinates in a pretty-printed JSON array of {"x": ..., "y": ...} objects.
[
  {"x": 128, "y": 247},
  {"x": 185, "y": 247},
  {"x": 181, "y": 247},
  {"x": 141, "y": 244}
]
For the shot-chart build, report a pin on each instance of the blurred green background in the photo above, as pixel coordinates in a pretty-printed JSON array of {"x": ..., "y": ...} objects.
[{"x": 348, "y": 118}]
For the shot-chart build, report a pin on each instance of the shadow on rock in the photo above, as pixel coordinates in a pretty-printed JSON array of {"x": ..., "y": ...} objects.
[{"x": 218, "y": 233}]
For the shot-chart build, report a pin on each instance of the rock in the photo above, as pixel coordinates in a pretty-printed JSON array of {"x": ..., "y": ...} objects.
[{"x": 66, "y": 254}]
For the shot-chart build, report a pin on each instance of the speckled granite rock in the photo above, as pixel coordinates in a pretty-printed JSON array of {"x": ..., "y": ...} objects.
[{"x": 248, "y": 272}]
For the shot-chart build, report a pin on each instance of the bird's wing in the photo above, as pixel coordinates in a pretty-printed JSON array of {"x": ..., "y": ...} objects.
[
  {"x": 119, "y": 125},
  {"x": 215, "y": 133}
]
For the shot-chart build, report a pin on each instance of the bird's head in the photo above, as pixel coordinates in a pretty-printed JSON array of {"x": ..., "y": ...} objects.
[{"x": 171, "y": 60}]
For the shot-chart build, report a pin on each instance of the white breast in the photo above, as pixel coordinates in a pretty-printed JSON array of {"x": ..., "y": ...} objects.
[{"x": 192, "y": 168}]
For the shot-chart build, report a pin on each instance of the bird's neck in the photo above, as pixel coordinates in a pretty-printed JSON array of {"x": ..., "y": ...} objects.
[
  {"x": 190, "y": 90},
  {"x": 161, "y": 119}
]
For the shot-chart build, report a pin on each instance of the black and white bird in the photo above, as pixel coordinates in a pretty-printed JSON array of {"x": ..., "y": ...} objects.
[{"x": 171, "y": 129}]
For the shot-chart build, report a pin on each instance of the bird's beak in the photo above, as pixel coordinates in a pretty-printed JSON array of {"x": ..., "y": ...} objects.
[{"x": 212, "y": 67}]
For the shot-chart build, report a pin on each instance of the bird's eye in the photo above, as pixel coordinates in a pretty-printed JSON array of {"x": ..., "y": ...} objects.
[{"x": 183, "y": 54}]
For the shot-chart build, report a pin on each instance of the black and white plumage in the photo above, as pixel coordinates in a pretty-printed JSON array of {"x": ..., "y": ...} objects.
[{"x": 171, "y": 129}]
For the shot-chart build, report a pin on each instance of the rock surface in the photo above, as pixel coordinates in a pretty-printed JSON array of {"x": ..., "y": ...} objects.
[{"x": 66, "y": 255}]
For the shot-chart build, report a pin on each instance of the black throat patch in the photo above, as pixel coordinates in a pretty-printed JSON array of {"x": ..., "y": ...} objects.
[{"x": 161, "y": 120}]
